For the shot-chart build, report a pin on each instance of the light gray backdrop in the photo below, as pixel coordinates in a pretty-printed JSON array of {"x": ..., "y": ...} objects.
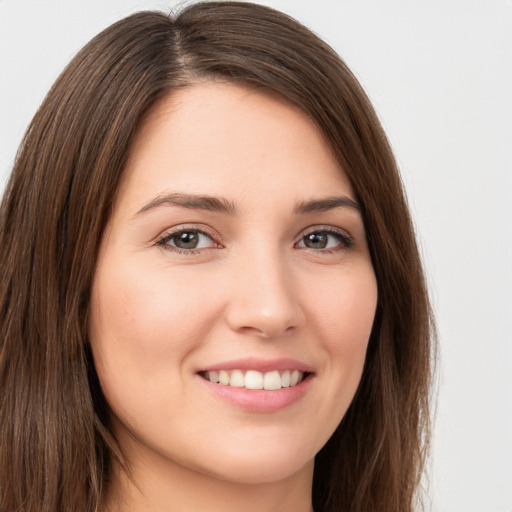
[{"x": 440, "y": 75}]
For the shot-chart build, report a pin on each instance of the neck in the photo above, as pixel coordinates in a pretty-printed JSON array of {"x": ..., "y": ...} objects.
[{"x": 154, "y": 488}]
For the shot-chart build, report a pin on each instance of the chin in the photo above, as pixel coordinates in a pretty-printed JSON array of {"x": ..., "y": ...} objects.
[
  {"x": 254, "y": 472},
  {"x": 260, "y": 463}
]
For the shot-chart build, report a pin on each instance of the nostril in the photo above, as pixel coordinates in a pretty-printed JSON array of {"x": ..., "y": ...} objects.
[{"x": 268, "y": 331}]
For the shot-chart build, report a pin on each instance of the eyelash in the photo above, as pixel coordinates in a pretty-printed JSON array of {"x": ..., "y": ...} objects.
[
  {"x": 163, "y": 241},
  {"x": 345, "y": 241}
]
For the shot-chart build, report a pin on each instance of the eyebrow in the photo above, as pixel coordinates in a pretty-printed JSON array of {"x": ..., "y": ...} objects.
[
  {"x": 326, "y": 204},
  {"x": 222, "y": 205},
  {"x": 192, "y": 202}
]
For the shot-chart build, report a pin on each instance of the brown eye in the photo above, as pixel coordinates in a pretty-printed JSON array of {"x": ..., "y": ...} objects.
[
  {"x": 325, "y": 240},
  {"x": 316, "y": 240},
  {"x": 187, "y": 240}
]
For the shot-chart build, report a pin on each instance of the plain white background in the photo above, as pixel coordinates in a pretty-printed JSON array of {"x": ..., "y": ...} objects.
[{"x": 440, "y": 75}]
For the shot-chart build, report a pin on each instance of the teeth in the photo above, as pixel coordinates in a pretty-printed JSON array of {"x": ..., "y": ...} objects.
[
  {"x": 272, "y": 380},
  {"x": 237, "y": 379},
  {"x": 223, "y": 378},
  {"x": 252, "y": 379}
]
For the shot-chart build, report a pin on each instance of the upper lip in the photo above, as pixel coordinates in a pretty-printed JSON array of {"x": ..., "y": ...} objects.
[{"x": 261, "y": 365}]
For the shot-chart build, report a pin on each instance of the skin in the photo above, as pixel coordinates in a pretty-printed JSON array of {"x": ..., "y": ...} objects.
[{"x": 252, "y": 288}]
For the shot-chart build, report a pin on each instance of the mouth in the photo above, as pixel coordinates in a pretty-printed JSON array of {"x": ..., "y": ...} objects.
[
  {"x": 258, "y": 385},
  {"x": 254, "y": 379}
]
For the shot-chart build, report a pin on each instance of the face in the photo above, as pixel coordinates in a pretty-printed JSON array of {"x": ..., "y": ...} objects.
[{"x": 234, "y": 293}]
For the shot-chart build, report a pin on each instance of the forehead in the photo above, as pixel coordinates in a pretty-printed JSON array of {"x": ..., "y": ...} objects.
[{"x": 223, "y": 139}]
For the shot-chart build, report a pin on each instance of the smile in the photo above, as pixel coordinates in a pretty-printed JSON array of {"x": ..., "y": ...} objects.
[
  {"x": 258, "y": 385},
  {"x": 254, "y": 379}
]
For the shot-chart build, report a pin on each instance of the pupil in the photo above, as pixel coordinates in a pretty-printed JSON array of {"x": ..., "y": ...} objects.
[
  {"x": 316, "y": 241},
  {"x": 187, "y": 240}
]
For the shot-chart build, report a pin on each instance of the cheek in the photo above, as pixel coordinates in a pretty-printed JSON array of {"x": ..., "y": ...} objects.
[
  {"x": 143, "y": 325},
  {"x": 143, "y": 309},
  {"x": 346, "y": 312},
  {"x": 344, "y": 320}
]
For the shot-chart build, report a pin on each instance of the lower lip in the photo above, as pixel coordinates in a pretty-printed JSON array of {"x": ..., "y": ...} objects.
[{"x": 259, "y": 400}]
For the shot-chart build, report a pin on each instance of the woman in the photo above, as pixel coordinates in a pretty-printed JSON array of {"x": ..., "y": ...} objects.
[{"x": 211, "y": 292}]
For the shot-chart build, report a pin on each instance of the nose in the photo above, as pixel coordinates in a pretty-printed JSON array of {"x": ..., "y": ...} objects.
[{"x": 264, "y": 298}]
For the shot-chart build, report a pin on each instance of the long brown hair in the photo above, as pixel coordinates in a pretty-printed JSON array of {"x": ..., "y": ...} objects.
[{"x": 56, "y": 446}]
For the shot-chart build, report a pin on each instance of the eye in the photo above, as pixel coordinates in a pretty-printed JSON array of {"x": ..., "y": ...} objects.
[
  {"x": 187, "y": 240},
  {"x": 329, "y": 240}
]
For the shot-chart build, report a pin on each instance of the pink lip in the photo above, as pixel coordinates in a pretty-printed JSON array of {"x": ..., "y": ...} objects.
[
  {"x": 260, "y": 400},
  {"x": 261, "y": 365}
]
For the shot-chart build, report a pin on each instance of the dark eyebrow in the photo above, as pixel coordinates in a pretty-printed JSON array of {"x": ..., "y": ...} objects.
[
  {"x": 329, "y": 203},
  {"x": 193, "y": 202},
  {"x": 222, "y": 205}
]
